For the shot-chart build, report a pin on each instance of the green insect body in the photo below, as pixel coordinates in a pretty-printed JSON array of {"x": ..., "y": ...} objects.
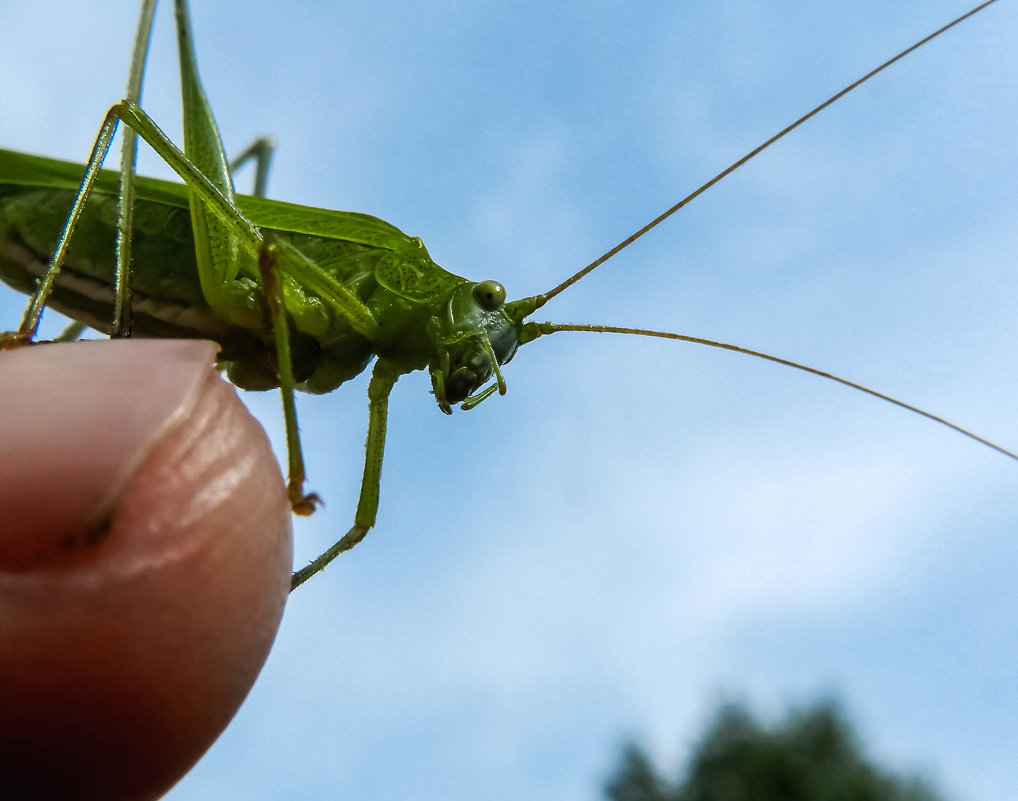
[
  {"x": 297, "y": 297},
  {"x": 427, "y": 317}
]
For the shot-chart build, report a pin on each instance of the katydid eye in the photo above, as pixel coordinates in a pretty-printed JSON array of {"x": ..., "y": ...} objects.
[{"x": 490, "y": 294}]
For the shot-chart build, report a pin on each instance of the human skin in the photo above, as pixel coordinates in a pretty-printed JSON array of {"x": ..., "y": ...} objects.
[{"x": 145, "y": 557}]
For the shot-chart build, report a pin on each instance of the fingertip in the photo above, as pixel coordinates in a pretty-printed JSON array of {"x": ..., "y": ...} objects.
[
  {"x": 76, "y": 420},
  {"x": 131, "y": 646}
]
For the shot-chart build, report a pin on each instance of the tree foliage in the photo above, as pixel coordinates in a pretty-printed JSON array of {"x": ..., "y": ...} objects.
[{"x": 812, "y": 755}]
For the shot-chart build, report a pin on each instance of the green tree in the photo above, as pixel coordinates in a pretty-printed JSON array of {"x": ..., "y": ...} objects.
[{"x": 812, "y": 755}]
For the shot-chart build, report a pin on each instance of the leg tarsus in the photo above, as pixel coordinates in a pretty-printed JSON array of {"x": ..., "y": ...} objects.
[
  {"x": 350, "y": 539},
  {"x": 9, "y": 340},
  {"x": 302, "y": 504}
]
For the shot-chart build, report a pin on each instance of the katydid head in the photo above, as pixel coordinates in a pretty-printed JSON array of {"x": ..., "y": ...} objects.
[{"x": 475, "y": 338}]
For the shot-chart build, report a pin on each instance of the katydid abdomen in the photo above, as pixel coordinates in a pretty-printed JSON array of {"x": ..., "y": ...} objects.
[{"x": 167, "y": 295}]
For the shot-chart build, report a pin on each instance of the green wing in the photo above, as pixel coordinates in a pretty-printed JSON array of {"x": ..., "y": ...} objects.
[{"x": 348, "y": 226}]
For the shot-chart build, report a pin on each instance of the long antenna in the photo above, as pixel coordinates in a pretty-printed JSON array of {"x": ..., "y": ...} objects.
[
  {"x": 542, "y": 299},
  {"x": 535, "y": 330}
]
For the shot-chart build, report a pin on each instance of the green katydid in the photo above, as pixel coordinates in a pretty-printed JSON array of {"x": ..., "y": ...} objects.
[{"x": 297, "y": 297}]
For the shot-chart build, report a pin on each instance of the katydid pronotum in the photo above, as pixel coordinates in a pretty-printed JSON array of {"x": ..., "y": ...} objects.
[{"x": 352, "y": 286}]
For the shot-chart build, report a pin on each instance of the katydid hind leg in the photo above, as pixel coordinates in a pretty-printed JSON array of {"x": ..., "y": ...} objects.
[{"x": 218, "y": 257}]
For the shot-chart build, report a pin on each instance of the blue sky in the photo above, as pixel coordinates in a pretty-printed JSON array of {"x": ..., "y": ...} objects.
[{"x": 639, "y": 529}]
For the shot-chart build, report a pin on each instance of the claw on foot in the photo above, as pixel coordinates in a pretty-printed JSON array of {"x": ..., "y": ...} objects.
[
  {"x": 13, "y": 339},
  {"x": 304, "y": 505}
]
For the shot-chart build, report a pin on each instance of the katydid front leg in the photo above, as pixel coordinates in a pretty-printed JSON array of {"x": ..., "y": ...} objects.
[{"x": 383, "y": 377}]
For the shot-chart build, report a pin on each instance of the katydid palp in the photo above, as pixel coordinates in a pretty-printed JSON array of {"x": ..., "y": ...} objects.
[{"x": 375, "y": 280}]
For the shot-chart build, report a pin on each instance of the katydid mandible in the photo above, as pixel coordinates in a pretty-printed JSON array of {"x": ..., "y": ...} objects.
[{"x": 296, "y": 297}]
